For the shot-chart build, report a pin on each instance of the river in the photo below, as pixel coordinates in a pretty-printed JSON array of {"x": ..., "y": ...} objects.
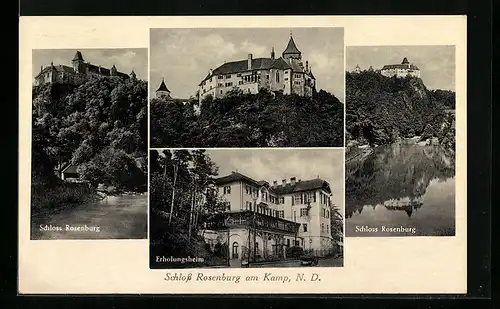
[
  {"x": 401, "y": 190},
  {"x": 114, "y": 217}
]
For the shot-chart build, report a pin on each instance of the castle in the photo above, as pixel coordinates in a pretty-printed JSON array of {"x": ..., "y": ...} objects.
[
  {"x": 78, "y": 73},
  {"x": 401, "y": 70},
  {"x": 266, "y": 219},
  {"x": 404, "y": 69},
  {"x": 286, "y": 74}
]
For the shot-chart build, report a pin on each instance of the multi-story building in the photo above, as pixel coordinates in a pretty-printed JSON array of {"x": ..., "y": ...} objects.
[
  {"x": 286, "y": 74},
  {"x": 265, "y": 219},
  {"x": 403, "y": 69},
  {"x": 78, "y": 73}
]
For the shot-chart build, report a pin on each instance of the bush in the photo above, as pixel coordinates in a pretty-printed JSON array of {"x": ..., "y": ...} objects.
[{"x": 294, "y": 252}]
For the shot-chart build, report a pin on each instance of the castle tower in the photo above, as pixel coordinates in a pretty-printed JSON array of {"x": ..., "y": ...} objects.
[
  {"x": 405, "y": 61},
  {"x": 113, "y": 71},
  {"x": 291, "y": 50},
  {"x": 78, "y": 63},
  {"x": 162, "y": 92}
]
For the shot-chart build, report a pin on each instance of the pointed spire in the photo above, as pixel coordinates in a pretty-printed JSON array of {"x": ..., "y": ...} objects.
[
  {"x": 405, "y": 61},
  {"x": 272, "y": 53},
  {"x": 163, "y": 87},
  {"x": 291, "y": 48},
  {"x": 78, "y": 56}
]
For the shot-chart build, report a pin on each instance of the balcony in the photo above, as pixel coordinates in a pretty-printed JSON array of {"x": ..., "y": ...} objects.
[{"x": 246, "y": 218}]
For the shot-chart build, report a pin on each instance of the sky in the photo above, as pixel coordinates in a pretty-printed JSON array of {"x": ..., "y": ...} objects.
[
  {"x": 278, "y": 164},
  {"x": 436, "y": 63},
  {"x": 125, "y": 59},
  {"x": 184, "y": 56}
]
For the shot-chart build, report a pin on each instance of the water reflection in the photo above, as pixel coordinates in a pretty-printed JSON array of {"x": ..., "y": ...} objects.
[{"x": 400, "y": 186}]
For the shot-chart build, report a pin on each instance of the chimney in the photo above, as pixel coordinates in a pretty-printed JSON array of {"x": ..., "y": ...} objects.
[
  {"x": 272, "y": 54},
  {"x": 211, "y": 72},
  {"x": 41, "y": 68},
  {"x": 249, "y": 61},
  {"x": 292, "y": 180},
  {"x": 307, "y": 66},
  {"x": 275, "y": 183},
  {"x": 283, "y": 181}
]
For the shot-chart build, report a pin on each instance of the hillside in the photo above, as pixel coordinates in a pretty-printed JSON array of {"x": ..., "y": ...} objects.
[
  {"x": 100, "y": 126},
  {"x": 381, "y": 110},
  {"x": 249, "y": 120}
]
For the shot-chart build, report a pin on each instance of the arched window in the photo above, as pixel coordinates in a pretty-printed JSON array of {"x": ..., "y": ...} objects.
[
  {"x": 235, "y": 250},
  {"x": 277, "y": 76}
]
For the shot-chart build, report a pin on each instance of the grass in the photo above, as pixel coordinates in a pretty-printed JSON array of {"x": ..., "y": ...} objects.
[{"x": 50, "y": 198}]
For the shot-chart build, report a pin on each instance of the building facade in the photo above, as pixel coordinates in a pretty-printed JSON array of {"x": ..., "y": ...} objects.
[
  {"x": 286, "y": 74},
  {"x": 263, "y": 220},
  {"x": 76, "y": 74},
  {"x": 401, "y": 70}
]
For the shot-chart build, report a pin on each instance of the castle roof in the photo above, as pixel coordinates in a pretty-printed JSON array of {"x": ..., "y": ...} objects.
[
  {"x": 257, "y": 64},
  {"x": 400, "y": 66},
  {"x": 298, "y": 186},
  {"x": 311, "y": 74},
  {"x": 405, "y": 61},
  {"x": 291, "y": 48},
  {"x": 78, "y": 56},
  {"x": 162, "y": 87}
]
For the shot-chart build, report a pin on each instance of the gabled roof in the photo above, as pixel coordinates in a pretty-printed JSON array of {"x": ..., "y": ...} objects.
[
  {"x": 291, "y": 48},
  {"x": 299, "y": 186},
  {"x": 163, "y": 87},
  {"x": 95, "y": 69},
  {"x": 303, "y": 185},
  {"x": 236, "y": 177},
  {"x": 405, "y": 61},
  {"x": 57, "y": 68},
  {"x": 78, "y": 56},
  {"x": 400, "y": 66},
  {"x": 257, "y": 64},
  {"x": 281, "y": 64}
]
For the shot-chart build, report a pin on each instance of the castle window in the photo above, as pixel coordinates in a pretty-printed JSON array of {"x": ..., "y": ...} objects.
[
  {"x": 282, "y": 200},
  {"x": 322, "y": 227},
  {"x": 277, "y": 76},
  {"x": 304, "y": 226},
  {"x": 221, "y": 92},
  {"x": 227, "y": 190},
  {"x": 210, "y": 79},
  {"x": 238, "y": 75},
  {"x": 281, "y": 213},
  {"x": 228, "y": 76},
  {"x": 286, "y": 79},
  {"x": 240, "y": 82},
  {"x": 220, "y": 77}
]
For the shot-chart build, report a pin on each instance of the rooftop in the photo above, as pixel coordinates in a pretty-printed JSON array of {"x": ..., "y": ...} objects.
[{"x": 286, "y": 188}]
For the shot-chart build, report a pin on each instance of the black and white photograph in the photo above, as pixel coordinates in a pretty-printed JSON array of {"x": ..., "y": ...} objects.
[
  {"x": 89, "y": 144},
  {"x": 400, "y": 141},
  {"x": 256, "y": 208},
  {"x": 247, "y": 87}
]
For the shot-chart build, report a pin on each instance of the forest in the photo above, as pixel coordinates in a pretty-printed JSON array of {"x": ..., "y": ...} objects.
[
  {"x": 99, "y": 126},
  {"x": 249, "y": 120},
  {"x": 382, "y": 110}
]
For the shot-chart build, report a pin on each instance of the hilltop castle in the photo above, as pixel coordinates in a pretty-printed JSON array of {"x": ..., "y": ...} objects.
[
  {"x": 78, "y": 73},
  {"x": 401, "y": 70},
  {"x": 286, "y": 74},
  {"x": 404, "y": 69},
  {"x": 268, "y": 218}
]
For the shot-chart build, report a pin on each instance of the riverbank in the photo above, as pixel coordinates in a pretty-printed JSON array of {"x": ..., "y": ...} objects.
[{"x": 49, "y": 199}]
